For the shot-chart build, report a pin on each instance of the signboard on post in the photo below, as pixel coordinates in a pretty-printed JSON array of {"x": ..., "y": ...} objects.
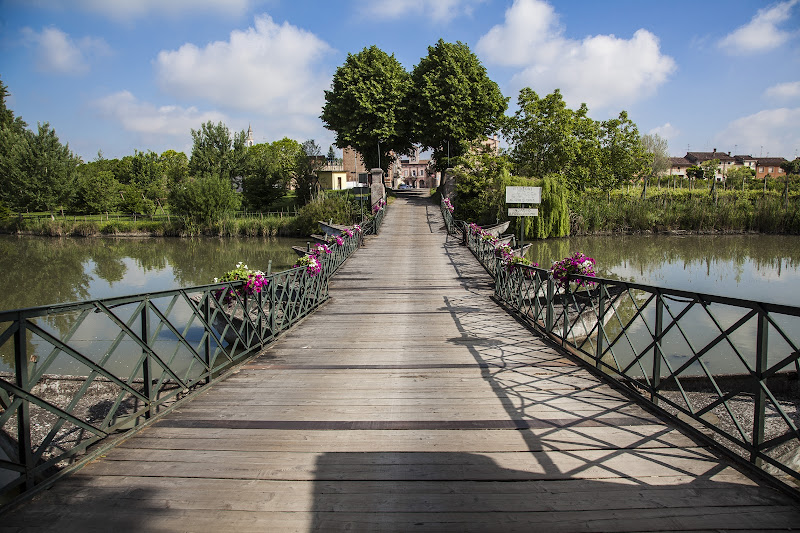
[
  {"x": 523, "y": 195},
  {"x": 523, "y": 212}
]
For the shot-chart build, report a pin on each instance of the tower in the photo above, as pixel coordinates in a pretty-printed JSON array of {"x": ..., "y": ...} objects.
[{"x": 249, "y": 141}]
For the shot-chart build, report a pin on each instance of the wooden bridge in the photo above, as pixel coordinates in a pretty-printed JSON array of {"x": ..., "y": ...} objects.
[{"x": 409, "y": 402}]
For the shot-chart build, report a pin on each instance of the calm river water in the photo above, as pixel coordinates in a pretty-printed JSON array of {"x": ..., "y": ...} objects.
[
  {"x": 44, "y": 270},
  {"x": 764, "y": 268},
  {"x": 38, "y": 271}
]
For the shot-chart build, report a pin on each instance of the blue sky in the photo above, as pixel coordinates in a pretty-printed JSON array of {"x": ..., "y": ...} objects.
[{"x": 123, "y": 75}]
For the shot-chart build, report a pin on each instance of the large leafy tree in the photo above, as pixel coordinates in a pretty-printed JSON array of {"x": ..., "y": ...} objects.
[
  {"x": 453, "y": 102},
  {"x": 43, "y": 171},
  {"x": 656, "y": 150},
  {"x": 365, "y": 106},
  {"x": 36, "y": 170},
  {"x": 541, "y": 134},
  {"x": 623, "y": 158},
  {"x": 215, "y": 152},
  {"x": 309, "y": 161},
  {"x": 269, "y": 172}
]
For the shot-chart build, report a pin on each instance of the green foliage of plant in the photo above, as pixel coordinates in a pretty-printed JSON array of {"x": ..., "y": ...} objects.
[
  {"x": 336, "y": 208},
  {"x": 683, "y": 210},
  {"x": 205, "y": 200},
  {"x": 553, "y": 219},
  {"x": 453, "y": 102},
  {"x": 366, "y": 106}
]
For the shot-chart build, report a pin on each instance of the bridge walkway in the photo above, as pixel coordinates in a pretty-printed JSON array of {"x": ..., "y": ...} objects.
[{"x": 409, "y": 402}]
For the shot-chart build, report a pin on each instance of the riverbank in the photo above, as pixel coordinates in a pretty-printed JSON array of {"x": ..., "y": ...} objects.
[{"x": 340, "y": 209}]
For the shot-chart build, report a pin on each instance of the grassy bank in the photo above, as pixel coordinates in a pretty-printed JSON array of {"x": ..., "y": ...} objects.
[
  {"x": 699, "y": 211},
  {"x": 340, "y": 208}
]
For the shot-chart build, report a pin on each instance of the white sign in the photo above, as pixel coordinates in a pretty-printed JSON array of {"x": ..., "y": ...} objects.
[
  {"x": 523, "y": 212},
  {"x": 523, "y": 195}
]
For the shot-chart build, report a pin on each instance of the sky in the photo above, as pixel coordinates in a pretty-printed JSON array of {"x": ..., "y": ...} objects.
[{"x": 117, "y": 76}]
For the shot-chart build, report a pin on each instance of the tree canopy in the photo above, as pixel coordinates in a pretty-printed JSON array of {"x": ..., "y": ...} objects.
[
  {"x": 453, "y": 102},
  {"x": 366, "y": 106}
]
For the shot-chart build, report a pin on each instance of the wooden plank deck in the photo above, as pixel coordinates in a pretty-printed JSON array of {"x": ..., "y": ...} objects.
[{"x": 409, "y": 402}]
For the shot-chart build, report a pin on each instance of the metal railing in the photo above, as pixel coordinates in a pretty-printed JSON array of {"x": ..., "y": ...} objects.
[
  {"x": 75, "y": 374},
  {"x": 728, "y": 367}
]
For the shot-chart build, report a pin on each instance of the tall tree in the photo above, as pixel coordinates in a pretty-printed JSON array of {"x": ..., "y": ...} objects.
[
  {"x": 215, "y": 152},
  {"x": 365, "y": 106},
  {"x": 587, "y": 162},
  {"x": 175, "y": 166},
  {"x": 270, "y": 170},
  {"x": 309, "y": 163},
  {"x": 541, "y": 134},
  {"x": 453, "y": 102},
  {"x": 656, "y": 150},
  {"x": 622, "y": 154},
  {"x": 45, "y": 173}
]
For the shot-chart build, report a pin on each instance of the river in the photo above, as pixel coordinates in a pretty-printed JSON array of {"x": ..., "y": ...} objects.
[
  {"x": 38, "y": 271},
  {"x": 764, "y": 268},
  {"x": 44, "y": 270}
]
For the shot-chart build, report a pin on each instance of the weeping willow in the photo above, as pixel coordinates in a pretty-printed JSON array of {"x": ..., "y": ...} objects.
[{"x": 553, "y": 219}]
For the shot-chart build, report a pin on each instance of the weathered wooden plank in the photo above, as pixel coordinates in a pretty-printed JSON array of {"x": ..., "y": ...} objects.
[{"x": 366, "y": 418}]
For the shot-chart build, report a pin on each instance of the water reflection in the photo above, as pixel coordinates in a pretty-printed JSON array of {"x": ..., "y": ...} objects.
[
  {"x": 42, "y": 271},
  {"x": 752, "y": 267}
]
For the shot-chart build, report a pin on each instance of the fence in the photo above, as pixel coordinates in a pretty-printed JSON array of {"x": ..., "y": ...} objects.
[
  {"x": 77, "y": 374},
  {"x": 729, "y": 367}
]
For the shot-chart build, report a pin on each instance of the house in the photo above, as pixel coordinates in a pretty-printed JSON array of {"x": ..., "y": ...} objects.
[
  {"x": 416, "y": 172},
  {"x": 726, "y": 161},
  {"x": 332, "y": 176},
  {"x": 678, "y": 166},
  {"x": 357, "y": 173},
  {"x": 769, "y": 166}
]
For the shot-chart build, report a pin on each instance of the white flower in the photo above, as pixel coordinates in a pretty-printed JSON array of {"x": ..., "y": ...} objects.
[{"x": 216, "y": 280}]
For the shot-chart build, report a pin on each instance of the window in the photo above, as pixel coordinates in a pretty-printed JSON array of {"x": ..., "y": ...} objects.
[
  {"x": 761, "y": 170},
  {"x": 770, "y": 170}
]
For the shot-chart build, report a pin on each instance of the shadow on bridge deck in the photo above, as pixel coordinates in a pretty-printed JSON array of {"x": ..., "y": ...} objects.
[{"x": 410, "y": 402}]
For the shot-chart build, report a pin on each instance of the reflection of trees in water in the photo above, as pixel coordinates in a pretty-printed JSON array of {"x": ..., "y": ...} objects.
[
  {"x": 36, "y": 271},
  {"x": 44, "y": 271},
  {"x": 647, "y": 254}
]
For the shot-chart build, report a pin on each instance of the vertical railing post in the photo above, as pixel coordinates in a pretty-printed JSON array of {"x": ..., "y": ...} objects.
[
  {"x": 548, "y": 319},
  {"x": 246, "y": 321},
  {"x": 273, "y": 305},
  {"x": 260, "y": 312},
  {"x": 657, "y": 350},
  {"x": 207, "y": 343},
  {"x": 537, "y": 285},
  {"x": 24, "y": 445},
  {"x": 565, "y": 307},
  {"x": 601, "y": 328},
  {"x": 147, "y": 382},
  {"x": 760, "y": 403}
]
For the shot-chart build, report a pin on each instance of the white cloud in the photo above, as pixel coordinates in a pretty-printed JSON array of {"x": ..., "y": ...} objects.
[
  {"x": 124, "y": 10},
  {"x": 435, "y": 10},
  {"x": 666, "y": 131},
  {"x": 59, "y": 53},
  {"x": 777, "y": 130},
  {"x": 762, "y": 32},
  {"x": 784, "y": 91},
  {"x": 603, "y": 70},
  {"x": 268, "y": 69},
  {"x": 150, "y": 120}
]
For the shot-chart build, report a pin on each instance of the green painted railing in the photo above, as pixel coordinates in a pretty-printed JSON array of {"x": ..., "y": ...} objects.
[
  {"x": 727, "y": 366},
  {"x": 80, "y": 373}
]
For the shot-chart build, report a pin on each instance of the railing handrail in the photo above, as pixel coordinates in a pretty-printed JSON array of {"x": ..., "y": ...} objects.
[
  {"x": 646, "y": 365},
  {"x": 158, "y": 348}
]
